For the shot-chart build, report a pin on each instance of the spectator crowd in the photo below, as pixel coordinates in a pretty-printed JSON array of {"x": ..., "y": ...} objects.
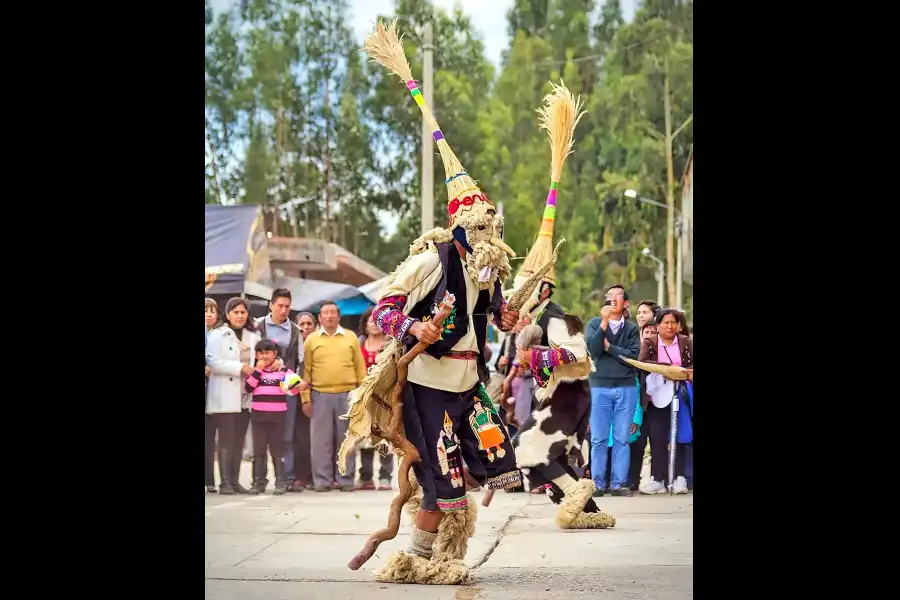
[{"x": 276, "y": 389}]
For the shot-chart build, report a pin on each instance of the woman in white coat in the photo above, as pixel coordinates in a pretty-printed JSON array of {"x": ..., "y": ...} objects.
[{"x": 230, "y": 356}]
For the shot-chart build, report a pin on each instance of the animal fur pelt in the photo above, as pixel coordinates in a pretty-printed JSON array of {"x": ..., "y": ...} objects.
[
  {"x": 446, "y": 565},
  {"x": 415, "y": 499},
  {"x": 529, "y": 336},
  {"x": 410, "y": 568},
  {"x": 573, "y": 503},
  {"x": 454, "y": 532},
  {"x": 455, "y": 529},
  {"x": 596, "y": 520},
  {"x": 370, "y": 403}
]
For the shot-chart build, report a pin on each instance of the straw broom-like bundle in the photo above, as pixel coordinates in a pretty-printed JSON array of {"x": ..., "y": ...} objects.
[
  {"x": 670, "y": 372},
  {"x": 369, "y": 402},
  {"x": 518, "y": 297},
  {"x": 559, "y": 115},
  {"x": 385, "y": 46}
]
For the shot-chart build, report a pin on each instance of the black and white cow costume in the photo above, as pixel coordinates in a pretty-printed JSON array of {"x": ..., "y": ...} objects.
[
  {"x": 560, "y": 363},
  {"x": 557, "y": 427}
]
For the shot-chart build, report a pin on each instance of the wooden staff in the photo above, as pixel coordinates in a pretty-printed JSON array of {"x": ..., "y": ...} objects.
[
  {"x": 504, "y": 396},
  {"x": 393, "y": 435}
]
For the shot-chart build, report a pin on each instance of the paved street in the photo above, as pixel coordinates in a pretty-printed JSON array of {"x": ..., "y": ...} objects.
[{"x": 296, "y": 546}]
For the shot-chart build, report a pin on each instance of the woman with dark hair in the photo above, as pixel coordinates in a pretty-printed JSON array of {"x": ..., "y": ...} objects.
[
  {"x": 306, "y": 321},
  {"x": 639, "y": 444},
  {"x": 212, "y": 321},
  {"x": 682, "y": 322},
  {"x": 689, "y": 448},
  {"x": 371, "y": 341},
  {"x": 212, "y": 314},
  {"x": 646, "y": 312},
  {"x": 230, "y": 356},
  {"x": 668, "y": 347}
]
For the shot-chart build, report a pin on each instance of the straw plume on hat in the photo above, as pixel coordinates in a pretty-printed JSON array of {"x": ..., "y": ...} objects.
[
  {"x": 385, "y": 47},
  {"x": 559, "y": 115}
]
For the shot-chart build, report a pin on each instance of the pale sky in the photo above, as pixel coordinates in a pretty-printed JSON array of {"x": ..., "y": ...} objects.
[{"x": 489, "y": 17}]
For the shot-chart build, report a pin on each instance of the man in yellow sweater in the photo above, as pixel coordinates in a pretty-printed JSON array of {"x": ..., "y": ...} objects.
[{"x": 333, "y": 365}]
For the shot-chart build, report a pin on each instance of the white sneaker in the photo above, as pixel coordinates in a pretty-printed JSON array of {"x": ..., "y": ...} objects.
[
  {"x": 680, "y": 486},
  {"x": 653, "y": 487}
]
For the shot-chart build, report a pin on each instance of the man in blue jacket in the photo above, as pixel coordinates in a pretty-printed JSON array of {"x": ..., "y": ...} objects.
[{"x": 614, "y": 394}]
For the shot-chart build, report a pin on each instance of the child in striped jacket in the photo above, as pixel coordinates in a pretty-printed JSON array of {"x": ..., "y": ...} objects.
[{"x": 268, "y": 411}]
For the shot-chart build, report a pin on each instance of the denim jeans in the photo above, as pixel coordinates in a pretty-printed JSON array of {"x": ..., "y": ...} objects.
[
  {"x": 367, "y": 465},
  {"x": 611, "y": 406}
]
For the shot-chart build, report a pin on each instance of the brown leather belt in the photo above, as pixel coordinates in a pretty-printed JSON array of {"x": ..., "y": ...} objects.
[{"x": 463, "y": 355}]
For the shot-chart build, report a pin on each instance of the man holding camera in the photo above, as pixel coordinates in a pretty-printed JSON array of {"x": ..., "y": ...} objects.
[{"x": 614, "y": 393}]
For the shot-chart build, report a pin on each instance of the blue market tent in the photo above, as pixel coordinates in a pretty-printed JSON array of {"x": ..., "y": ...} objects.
[
  {"x": 309, "y": 294},
  {"x": 236, "y": 250}
]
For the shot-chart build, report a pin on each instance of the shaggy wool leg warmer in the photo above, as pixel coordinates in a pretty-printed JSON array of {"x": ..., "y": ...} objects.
[
  {"x": 577, "y": 510},
  {"x": 577, "y": 494},
  {"x": 595, "y": 520},
  {"x": 409, "y": 568},
  {"x": 455, "y": 530}
]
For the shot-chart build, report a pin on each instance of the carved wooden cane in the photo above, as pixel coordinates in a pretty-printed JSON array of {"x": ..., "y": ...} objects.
[{"x": 393, "y": 435}]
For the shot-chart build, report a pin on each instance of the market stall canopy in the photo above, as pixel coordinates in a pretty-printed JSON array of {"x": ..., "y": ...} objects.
[
  {"x": 236, "y": 250},
  {"x": 371, "y": 290},
  {"x": 309, "y": 294}
]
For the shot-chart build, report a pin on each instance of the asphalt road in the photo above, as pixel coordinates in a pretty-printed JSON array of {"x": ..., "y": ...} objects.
[{"x": 296, "y": 546}]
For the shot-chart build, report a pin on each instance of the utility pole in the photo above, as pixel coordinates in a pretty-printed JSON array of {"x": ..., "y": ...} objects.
[
  {"x": 674, "y": 297},
  {"x": 660, "y": 276},
  {"x": 670, "y": 192},
  {"x": 427, "y": 141},
  {"x": 329, "y": 226},
  {"x": 679, "y": 264}
]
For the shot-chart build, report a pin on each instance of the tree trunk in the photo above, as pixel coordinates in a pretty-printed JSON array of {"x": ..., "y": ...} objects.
[
  {"x": 343, "y": 225},
  {"x": 212, "y": 152}
]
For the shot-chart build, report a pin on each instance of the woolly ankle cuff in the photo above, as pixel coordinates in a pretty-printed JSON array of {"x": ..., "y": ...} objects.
[{"x": 421, "y": 542}]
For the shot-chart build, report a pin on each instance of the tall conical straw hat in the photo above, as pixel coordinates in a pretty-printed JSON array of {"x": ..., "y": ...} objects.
[
  {"x": 385, "y": 47},
  {"x": 559, "y": 115}
]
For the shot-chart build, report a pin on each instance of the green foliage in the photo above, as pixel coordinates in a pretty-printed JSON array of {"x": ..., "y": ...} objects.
[{"x": 295, "y": 111}]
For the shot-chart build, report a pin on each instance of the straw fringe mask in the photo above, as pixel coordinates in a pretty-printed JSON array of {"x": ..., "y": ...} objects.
[{"x": 468, "y": 206}]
